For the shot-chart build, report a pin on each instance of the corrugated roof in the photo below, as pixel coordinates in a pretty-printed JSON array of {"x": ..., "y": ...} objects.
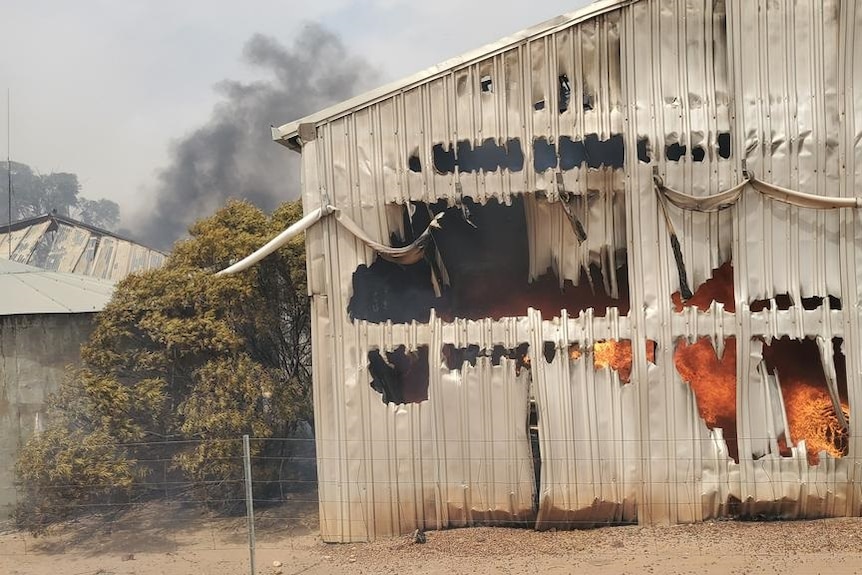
[
  {"x": 58, "y": 243},
  {"x": 30, "y": 290},
  {"x": 288, "y": 133}
]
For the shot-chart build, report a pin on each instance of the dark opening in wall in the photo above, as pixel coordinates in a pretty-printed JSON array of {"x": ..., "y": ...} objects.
[
  {"x": 783, "y": 302},
  {"x": 840, "y": 361},
  {"x": 488, "y": 156},
  {"x": 401, "y": 377},
  {"x": 444, "y": 159},
  {"x": 454, "y": 357},
  {"x": 809, "y": 405},
  {"x": 610, "y": 152},
  {"x": 540, "y": 105},
  {"x": 718, "y": 288},
  {"x": 485, "y": 253},
  {"x": 514, "y": 155},
  {"x": 388, "y": 291},
  {"x": 588, "y": 102},
  {"x": 549, "y": 350},
  {"x": 573, "y": 154},
  {"x": 815, "y": 302},
  {"x": 565, "y": 93},
  {"x": 724, "y": 145},
  {"x": 713, "y": 381},
  {"x": 467, "y": 162},
  {"x": 675, "y": 152},
  {"x": 644, "y": 150},
  {"x": 544, "y": 155},
  {"x": 486, "y": 83},
  {"x": 545, "y": 295},
  {"x": 414, "y": 163}
]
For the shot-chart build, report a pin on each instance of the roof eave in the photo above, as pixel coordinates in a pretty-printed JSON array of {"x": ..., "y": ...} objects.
[{"x": 289, "y": 136}]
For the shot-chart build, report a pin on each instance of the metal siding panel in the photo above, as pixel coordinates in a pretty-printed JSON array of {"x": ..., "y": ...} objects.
[
  {"x": 588, "y": 434},
  {"x": 122, "y": 256},
  {"x": 10, "y": 246},
  {"x": 75, "y": 250},
  {"x": 28, "y": 243},
  {"x": 84, "y": 265},
  {"x": 387, "y": 126},
  {"x": 789, "y": 100},
  {"x": 105, "y": 258}
]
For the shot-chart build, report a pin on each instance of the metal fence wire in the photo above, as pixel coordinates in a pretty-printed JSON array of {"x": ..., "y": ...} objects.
[{"x": 268, "y": 490}]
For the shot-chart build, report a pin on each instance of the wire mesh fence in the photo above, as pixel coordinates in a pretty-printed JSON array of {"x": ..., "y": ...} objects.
[
  {"x": 166, "y": 510},
  {"x": 284, "y": 471}
]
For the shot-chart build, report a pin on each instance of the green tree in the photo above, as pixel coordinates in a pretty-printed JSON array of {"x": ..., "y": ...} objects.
[
  {"x": 35, "y": 194},
  {"x": 181, "y": 355},
  {"x": 102, "y": 213}
]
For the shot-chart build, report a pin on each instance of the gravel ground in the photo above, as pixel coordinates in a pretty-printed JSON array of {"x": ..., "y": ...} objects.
[{"x": 173, "y": 541}]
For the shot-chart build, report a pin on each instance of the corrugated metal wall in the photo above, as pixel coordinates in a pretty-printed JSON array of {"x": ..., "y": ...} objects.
[{"x": 697, "y": 90}]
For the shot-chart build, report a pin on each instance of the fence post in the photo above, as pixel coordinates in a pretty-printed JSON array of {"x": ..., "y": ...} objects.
[{"x": 249, "y": 500}]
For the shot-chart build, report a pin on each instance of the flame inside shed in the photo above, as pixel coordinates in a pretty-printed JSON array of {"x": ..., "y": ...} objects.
[
  {"x": 808, "y": 404},
  {"x": 713, "y": 381},
  {"x": 617, "y": 355},
  {"x": 811, "y": 415}
]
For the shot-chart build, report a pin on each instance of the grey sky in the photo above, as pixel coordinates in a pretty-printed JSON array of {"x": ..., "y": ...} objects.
[{"x": 102, "y": 87}]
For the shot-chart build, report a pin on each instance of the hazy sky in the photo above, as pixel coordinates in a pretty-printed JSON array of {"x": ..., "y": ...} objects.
[{"x": 103, "y": 87}]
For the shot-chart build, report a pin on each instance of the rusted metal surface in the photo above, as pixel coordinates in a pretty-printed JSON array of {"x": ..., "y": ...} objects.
[
  {"x": 578, "y": 117},
  {"x": 61, "y": 244}
]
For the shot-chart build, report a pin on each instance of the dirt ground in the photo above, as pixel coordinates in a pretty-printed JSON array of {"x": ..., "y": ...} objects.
[{"x": 170, "y": 540}]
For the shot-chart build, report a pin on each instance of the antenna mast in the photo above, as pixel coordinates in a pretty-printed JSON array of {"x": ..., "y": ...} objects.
[{"x": 9, "y": 163}]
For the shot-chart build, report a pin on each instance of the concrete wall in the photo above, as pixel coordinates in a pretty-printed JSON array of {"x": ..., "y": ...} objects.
[{"x": 34, "y": 352}]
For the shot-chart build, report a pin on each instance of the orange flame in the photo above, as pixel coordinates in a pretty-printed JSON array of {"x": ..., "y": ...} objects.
[
  {"x": 617, "y": 355},
  {"x": 713, "y": 381},
  {"x": 810, "y": 412}
]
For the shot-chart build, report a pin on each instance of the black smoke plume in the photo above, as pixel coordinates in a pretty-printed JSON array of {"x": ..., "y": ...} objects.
[{"x": 233, "y": 155}]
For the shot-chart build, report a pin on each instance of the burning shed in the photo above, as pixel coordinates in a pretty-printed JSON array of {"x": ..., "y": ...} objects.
[{"x": 642, "y": 220}]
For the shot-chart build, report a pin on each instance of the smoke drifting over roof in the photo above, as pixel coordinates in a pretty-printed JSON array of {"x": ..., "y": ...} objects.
[{"x": 233, "y": 155}]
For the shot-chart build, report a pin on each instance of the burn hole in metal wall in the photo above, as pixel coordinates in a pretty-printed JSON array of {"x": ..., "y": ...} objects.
[
  {"x": 613, "y": 354},
  {"x": 713, "y": 381},
  {"x": 454, "y": 358},
  {"x": 677, "y": 151},
  {"x": 477, "y": 267},
  {"x": 812, "y": 378},
  {"x": 400, "y": 376},
  {"x": 710, "y": 374},
  {"x": 784, "y": 301},
  {"x": 718, "y": 288}
]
